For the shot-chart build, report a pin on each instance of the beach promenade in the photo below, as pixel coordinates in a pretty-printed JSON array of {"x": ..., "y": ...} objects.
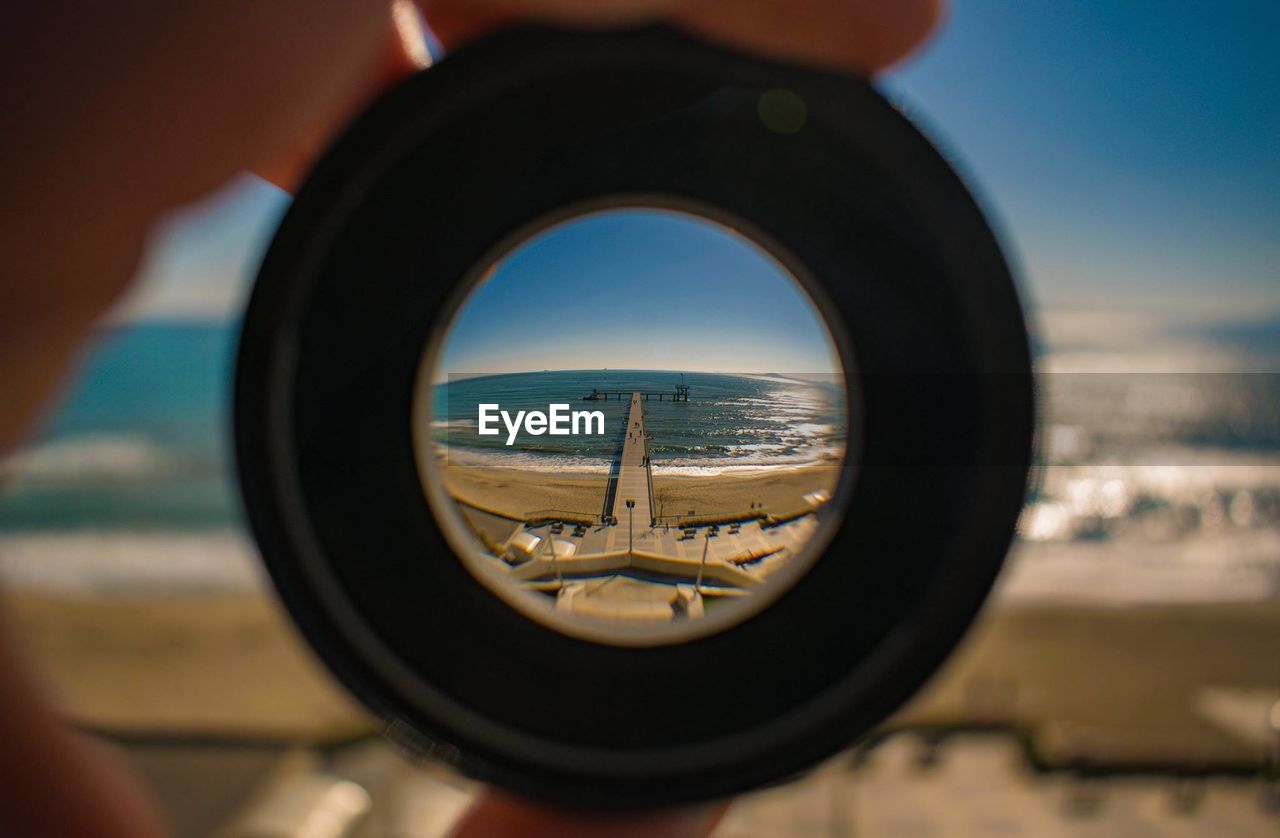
[{"x": 633, "y": 474}]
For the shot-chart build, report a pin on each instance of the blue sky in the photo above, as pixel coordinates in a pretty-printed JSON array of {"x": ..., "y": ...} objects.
[
  {"x": 1129, "y": 152},
  {"x": 638, "y": 289}
]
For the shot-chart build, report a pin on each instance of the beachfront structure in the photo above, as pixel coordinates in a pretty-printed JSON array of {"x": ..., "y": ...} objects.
[
  {"x": 626, "y": 564},
  {"x": 680, "y": 393}
]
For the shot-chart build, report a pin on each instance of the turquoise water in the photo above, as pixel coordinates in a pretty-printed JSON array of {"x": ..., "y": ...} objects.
[
  {"x": 729, "y": 421},
  {"x": 140, "y": 440}
]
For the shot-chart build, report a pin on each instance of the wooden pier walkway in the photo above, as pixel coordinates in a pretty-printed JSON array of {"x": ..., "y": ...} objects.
[{"x": 633, "y": 474}]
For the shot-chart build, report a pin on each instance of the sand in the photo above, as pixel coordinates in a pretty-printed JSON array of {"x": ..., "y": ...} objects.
[
  {"x": 780, "y": 492},
  {"x": 204, "y": 692},
  {"x": 1118, "y": 685},
  {"x": 529, "y": 494}
]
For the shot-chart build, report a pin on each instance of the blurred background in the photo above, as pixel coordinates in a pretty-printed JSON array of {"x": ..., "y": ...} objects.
[{"x": 1124, "y": 678}]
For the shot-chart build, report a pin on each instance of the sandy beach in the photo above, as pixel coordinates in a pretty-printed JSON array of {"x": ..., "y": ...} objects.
[
  {"x": 526, "y": 494},
  {"x": 195, "y": 669},
  {"x": 220, "y": 666},
  {"x": 780, "y": 490}
]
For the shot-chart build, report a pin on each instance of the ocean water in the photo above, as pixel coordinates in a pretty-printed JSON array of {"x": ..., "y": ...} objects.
[
  {"x": 730, "y": 422},
  {"x": 1166, "y": 486},
  {"x": 139, "y": 440}
]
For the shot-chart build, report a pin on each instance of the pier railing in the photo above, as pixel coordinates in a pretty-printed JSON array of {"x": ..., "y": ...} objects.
[
  {"x": 679, "y": 394},
  {"x": 648, "y": 474}
]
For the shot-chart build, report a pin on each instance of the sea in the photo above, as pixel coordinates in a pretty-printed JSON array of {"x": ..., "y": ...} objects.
[
  {"x": 730, "y": 423},
  {"x": 1158, "y": 476},
  {"x": 138, "y": 440}
]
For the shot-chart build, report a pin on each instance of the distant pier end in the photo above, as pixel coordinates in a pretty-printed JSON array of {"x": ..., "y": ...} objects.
[{"x": 679, "y": 394}]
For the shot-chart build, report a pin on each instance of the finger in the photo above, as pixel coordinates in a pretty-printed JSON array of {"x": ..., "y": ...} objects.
[
  {"x": 860, "y": 35},
  {"x": 455, "y": 23},
  {"x": 116, "y": 114},
  {"x": 854, "y": 34},
  {"x": 403, "y": 51},
  {"x": 498, "y": 815},
  {"x": 565, "y": 12}
]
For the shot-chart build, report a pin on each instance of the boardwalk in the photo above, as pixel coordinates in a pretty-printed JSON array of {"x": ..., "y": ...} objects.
[{"x": 633, "y": 475}]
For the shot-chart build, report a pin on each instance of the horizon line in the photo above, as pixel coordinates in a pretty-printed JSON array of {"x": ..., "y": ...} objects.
[{"x": 742, "y": 373}]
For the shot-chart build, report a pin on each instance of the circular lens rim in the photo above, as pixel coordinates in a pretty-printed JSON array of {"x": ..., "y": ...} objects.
[
  {"x": 602, "y": 631},
  {"x": 899, "y": 661}
]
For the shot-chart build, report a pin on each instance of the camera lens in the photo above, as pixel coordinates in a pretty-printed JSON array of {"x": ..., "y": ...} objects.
[
  {"x": 630, "y": 421},
  {"x": 678, "y": 484}
]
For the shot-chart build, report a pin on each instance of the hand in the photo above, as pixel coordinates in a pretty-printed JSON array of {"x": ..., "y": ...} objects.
[{"x": 118, "y": 112}]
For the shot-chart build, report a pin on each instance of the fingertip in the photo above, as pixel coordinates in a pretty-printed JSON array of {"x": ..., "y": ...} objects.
[{"x": 861, "y": 35}]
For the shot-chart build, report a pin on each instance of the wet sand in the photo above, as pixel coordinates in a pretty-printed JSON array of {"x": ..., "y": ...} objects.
[{"x": 529, "y": 494}]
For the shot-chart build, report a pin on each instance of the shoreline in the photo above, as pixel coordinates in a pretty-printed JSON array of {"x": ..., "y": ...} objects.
[
  {"x": 548, "y": 463},
  {"x": 523, "y": 494}
]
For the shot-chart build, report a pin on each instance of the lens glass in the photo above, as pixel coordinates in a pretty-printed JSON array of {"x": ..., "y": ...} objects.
[{"x": 635, "y": 427}]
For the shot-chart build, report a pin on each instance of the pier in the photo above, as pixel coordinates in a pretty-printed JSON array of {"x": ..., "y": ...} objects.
[
  {"x": 679, "y": 394},
  {"x": 625, "y": 564},
  {"x": 634, "y": 480}
]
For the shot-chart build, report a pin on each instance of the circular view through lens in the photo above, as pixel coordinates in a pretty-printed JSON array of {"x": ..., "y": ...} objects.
[{"x": 635, "y": 426}]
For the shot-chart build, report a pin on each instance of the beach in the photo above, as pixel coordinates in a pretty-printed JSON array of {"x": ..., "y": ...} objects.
[
  {"x": 779, "y": 491},
  {"x": 227, "y": 663},
  {"x": 523, "y": 494},
  {"x": 172, "y": 646}
]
